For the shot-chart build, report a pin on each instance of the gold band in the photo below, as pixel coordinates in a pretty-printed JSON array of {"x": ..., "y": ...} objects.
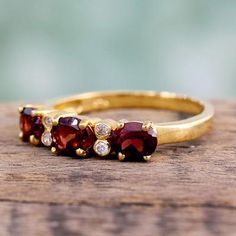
[{"x": 169, "y": 132}]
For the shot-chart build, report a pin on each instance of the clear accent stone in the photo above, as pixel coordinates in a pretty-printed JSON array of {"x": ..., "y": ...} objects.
[
  {"x": 47, "y": 120},
  {"x": 46, "y": 139},
  {"x": 102, "y": 129},
  {"x": 102, "y": 147}
]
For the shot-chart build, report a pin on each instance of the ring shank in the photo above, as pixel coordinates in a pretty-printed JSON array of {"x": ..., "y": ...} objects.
[{"x": 170, "y": 132}]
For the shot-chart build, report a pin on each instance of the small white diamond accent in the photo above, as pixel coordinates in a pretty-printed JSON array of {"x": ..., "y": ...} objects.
[
  {"x": 48, "y": 122},
  {"x": 102, "y": 147},
  {"x": 46, "y": 139},
  {"x": 102, "y": 129}
]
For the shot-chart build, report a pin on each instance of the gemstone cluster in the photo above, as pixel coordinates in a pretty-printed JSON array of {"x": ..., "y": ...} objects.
[{"x": 66, "y": 135}]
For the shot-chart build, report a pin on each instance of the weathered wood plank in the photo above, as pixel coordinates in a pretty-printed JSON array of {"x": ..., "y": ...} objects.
[
  {"x": 186, "y": 188},
  {"x": 124, "y": 219}
]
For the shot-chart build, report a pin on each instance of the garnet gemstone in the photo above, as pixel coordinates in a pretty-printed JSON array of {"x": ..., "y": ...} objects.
[
  {"x": 135, "y": 143},
  {"x": 67, "y": 136},
  {"x": 30, "y": 125}
]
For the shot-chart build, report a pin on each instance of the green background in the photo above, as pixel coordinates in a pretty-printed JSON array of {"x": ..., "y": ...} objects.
[{"x": 51, "y": 48}]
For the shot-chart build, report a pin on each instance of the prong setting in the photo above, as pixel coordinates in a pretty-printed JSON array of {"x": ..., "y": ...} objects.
[
  {"x": 20, "y": 109},
  {"x": 147, "y": 158},
  {"x": 83, "y": 124},
  {"x": 34, "y": 140},
  {"x": 120, "y": 125},
  {"x": 121, "y": 156},
  {"x": 53, "y": 150},
  {"x": 147, "y": 125},
  {"x": 80, "y": 152},
  {"x": 21, "y": 135},
  {"x": 55, "y": 122}
]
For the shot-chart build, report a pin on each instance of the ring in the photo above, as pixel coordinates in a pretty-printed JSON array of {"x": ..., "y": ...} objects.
[{"x": 66, "y": 127}]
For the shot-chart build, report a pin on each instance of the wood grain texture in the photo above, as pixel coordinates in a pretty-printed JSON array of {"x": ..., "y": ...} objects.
[{"x": 187, "y": 188}]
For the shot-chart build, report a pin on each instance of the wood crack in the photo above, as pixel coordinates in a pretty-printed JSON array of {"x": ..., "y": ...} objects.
[{"x": 126, "y": 204}]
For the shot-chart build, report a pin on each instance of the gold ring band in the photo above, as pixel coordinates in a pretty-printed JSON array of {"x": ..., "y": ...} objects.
[
  {"x": 137, "y": 138},
  {"x": 171, "y": 132}
]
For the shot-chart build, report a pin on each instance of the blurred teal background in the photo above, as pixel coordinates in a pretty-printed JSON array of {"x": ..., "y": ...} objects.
[{"x": 51, "y": 48}]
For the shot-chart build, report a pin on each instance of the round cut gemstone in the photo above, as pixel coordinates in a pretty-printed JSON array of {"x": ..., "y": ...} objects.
[
  {"x": 47, "y": 121},
  {"x": 30, "y": 125},
  {"x": 134, "y": 142},
  {"x": 46, "y": 139},
  {"x": 102, "y": 147},
  {"x": 102, "y": 129},
  {"x": 67, "y": 136}
]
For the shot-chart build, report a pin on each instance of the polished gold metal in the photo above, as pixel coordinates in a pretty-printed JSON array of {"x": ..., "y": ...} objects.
[
  {"x": 121, "y": 156},
  {"x": 80, "y": 152},
  {"x": 146, "y": 125},
  {"x": 120, "y": 124},
  {"x": 83, "y": 124},
  {"x": 53, "y": 150},
  {"x": 168, "y": 132},
  {"x": 147, "y": 158},
  {"x": 21, "y": 135},
  {"x": 20, "y": 109},
  {"x": 34, "y": 140}
]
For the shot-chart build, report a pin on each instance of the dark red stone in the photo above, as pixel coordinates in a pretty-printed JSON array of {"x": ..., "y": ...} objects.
[
  {"x": 30, "y": 125},
  {"x": 133, "y": 142},
  {"x": 67, "y": 136}
]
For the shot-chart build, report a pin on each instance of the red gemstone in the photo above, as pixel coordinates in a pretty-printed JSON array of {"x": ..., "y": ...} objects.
[
  {"x": 30, "y": 125},
  {"x": 67, "y": 136},
  {"x": 135, "y": 143}
]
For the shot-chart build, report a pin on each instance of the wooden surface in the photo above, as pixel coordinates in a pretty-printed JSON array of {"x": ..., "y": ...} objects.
[{"x": 187, "y": 188}]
